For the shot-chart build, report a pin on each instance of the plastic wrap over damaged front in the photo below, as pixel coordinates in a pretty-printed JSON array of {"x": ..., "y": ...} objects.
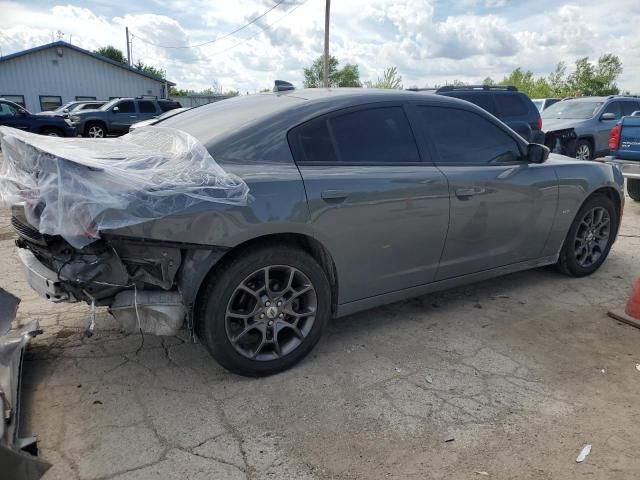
[{"x": 76, "y": 187}]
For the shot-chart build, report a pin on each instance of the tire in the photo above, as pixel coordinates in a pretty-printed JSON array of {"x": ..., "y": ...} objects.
[
  {"x": 52, "y": 132},
  {"x": 583, "y": 150},
  {"x": 575, "y": 259},
  {"x": 633, "y": 189},
  {"x": 95, "y": 130},
  {"x": 242, "y": 345}
]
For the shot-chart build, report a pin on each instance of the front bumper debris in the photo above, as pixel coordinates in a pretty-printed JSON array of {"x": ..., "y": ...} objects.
[{"x": 18, "y": 456}]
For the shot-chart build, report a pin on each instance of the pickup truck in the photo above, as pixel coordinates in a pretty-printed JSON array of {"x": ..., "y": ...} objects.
[
  {"x": 624, "y": 146},
  {"x": 116, "y": 116}
]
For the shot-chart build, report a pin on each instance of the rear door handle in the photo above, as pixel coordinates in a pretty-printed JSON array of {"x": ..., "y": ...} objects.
[
  {"x": 463, "y": 193},
  {"x": 336, "y": 195}
]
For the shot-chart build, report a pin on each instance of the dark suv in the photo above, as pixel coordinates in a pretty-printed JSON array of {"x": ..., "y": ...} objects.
[
  {"x": 504, "y": 102},
  {"x": 13, "y": 115},
  {"x": 116, "y": 116}
]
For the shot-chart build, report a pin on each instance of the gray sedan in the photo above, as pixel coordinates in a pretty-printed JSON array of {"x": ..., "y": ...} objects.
[{"x": 358, "y": 198}]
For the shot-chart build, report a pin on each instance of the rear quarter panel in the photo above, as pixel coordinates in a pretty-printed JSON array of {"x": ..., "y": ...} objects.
[{"x": 577, "y": 180}]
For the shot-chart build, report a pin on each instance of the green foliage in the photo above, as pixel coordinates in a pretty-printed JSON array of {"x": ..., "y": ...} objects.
[
  {"x": 587, "y": 79},
  {"x": 488, "y": 81},
  {"x": 150, "y": 69},
  {"x": 112, "y": 52},
  {"x": 390, "y": 79},
  {"x": 347, "y": 76},
  {"x": 175, "y": 92}
]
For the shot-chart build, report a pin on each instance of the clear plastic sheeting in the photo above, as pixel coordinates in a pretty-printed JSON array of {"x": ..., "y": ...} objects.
[{"x": 76, "y": 187}]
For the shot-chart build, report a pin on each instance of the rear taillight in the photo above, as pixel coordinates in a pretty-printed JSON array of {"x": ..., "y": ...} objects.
[
  {"x": 614, "y": 138},
  {"x": 539, "y": 123}
]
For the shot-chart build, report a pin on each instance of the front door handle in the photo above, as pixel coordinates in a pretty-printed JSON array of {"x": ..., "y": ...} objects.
[
  {"x": 463, "y": 193},
  {"x": 133, "y": 116},
  {"x": 334, "y": 195}
]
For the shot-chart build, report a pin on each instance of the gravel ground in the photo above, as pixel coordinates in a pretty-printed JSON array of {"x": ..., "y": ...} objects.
[{"x": 510, "y": 377}]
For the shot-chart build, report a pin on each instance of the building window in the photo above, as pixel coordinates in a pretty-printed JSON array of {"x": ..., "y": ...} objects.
[
  {"x": 50, "y": 102},
  {"x": 19, "y": 99},
  {"x": 85, "y": 98}
]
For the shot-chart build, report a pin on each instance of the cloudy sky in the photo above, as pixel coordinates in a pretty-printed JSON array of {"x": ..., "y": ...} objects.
[{"x": 430, "y": 41}]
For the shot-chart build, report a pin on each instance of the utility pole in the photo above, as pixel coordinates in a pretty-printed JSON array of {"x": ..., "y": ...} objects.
[
  {"x": 126, "y": 29},
  {"x": 326, "y": 45}
]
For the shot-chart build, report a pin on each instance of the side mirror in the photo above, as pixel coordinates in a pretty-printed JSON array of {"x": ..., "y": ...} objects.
[
  {"x": 116, "y": 109},
  {"x": 608, "y": 116},
  {"x": 537, "y": 153},
  {"x": 66, "y": 110}
]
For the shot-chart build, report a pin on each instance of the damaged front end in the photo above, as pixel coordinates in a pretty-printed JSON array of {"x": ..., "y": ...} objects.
[
  {"x": 561, "y": 141},
  {"x": 18, "y": 455},
  {"x": 147, "y": 285}
]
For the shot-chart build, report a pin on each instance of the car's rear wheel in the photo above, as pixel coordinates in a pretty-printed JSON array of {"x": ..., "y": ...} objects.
[
  {"x": 583, "y": 150},
  {"x": 264, "y": 311},
  {"x": 590, "y": 237},
  {"x": 633, "y": 188},
  {"x": 52, "y": 132},
  {"x": 95, "y": 130}
]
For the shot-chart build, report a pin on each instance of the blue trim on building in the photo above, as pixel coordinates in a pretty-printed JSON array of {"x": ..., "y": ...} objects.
[{"x": 61, "y": 43}]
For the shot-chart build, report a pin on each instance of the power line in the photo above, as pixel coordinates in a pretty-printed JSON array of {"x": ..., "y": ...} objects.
[
  {"x": 258, "y": 32},
  {"x": 219, "y": 38}
]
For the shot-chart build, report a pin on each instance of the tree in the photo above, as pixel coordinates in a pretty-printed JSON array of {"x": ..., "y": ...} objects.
[
  {"x": 112, "y": 52},
  {"x": 150, "y": 69},
  {"x": 175, "y": 92},
  {"x": 598, "y": 79},
  {"x": 347, "y": 76},
  {"x": 390, "y": 79},
  {"x": 488, "y": 81}
]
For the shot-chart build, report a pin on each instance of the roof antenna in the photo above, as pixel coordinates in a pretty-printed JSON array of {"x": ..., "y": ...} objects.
[{"x": 282, "y": 86}]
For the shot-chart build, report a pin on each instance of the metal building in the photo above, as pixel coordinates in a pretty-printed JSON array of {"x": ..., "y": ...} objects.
[{"x": 45, "y": 77}]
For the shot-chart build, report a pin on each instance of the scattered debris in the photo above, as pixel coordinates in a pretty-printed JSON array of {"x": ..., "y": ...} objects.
[
  {"x": 586, "y": 450},
  {"x": 448, "y": 440},
  {"x": 603, "y": 370},
  {"x": 484, "y": 474},
  {"x": 97, "y": 402},
  {"x": 398, "y": 370},
  {"x": 638, "y": 366},
  {"x": 428, "y": 378},
  {"x": 477, "y": 305}
]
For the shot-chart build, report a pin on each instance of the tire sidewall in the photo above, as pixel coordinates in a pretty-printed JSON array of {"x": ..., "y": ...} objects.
[
  {"x": 633, "y": 189},
  {"x": 571, "y": 262},
  {"x": 588, "y": 144},
  {"x": 104, "y": 131},
  {"x": 210, "y": 312}
]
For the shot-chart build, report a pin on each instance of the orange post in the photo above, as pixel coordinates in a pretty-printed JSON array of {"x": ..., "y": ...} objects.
[{"x": 631, "y": 313}]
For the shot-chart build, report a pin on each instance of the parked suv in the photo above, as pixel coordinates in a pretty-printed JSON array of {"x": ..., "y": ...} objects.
[
  {"x": 116, "y": 116},
  {"x": 544, "y": 103},
  {"x": 13, "y": 115},
  {"x": 68, "y": 108},
  {"x": 504, "y": 102},
  {"x": 580, "y": 127}
]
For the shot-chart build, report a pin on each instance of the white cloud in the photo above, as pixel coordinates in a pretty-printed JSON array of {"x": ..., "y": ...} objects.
[{"x": 430, "y": 42}]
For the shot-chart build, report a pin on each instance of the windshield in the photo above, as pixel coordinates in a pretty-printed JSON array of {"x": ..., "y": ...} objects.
[
  {"x": 538, "y": 104},
  {"x": 572, "y": 110},
  {"x": 63, "y": 107}
]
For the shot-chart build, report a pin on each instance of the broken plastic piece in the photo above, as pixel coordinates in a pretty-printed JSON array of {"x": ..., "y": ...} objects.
[
  {"x": 484, "y": 474},
  {"x": 76, "y": 187},
  {"x": 92, "y": 325},
  {"x": 428, "y": 378},
  {"x": 586, "y": 450}
]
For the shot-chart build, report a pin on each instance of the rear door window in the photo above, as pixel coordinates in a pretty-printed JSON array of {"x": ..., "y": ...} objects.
[
  {"x": 629, "y": 107},
  {"x": 462, "y": 137},
  {"x": 370, "y": 136},
  {"x": 510, "y": 105},
  {"x": 484, "y": 101},
  {"x": 145, "y": 106}
]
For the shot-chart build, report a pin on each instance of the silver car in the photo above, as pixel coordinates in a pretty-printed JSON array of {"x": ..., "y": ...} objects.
[{"x": 358, "y": 198}]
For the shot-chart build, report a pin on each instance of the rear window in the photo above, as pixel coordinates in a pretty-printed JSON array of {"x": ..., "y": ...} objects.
[
  {"x": 484, "y": 101},
  {"x": 510, "y": 105},
  {"x": 375, "y": 135},
  {"x": 166, "y": 106},
  {"x": 146, "y": 106}
]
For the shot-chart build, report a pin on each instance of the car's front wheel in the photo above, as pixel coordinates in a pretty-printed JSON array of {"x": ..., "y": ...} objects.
[
  {"x": 583, "y": 150},
  {"x": 95, "y": 130},
  {"x": 52, "y": 132},
  {"x": 263, "y": 311},
  {"x": 590, "y": 237}
]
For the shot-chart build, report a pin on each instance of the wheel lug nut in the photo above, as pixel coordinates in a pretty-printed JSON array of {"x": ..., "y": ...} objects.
[
  {"x": 262, "y": 315},
  {"x": 281, "y": 315},
  {"x": 270, "y": 322},
  {"x": 279, "y": 304},
  {"x": 267, "y": 303}
]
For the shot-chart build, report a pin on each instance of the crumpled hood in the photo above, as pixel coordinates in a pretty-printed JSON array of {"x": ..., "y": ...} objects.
[{"x": 553, "y": 124}]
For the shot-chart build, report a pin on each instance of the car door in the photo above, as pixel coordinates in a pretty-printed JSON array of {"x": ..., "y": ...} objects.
[
  {"x": 123, "y": 117},
  {"x": 603, "y": 127},
  {"x": 502, "y": 207},
  {"x": 379, "y": 207},
  {"x": 147, "y": 110},
  {"x": 11, "y": 116}
]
